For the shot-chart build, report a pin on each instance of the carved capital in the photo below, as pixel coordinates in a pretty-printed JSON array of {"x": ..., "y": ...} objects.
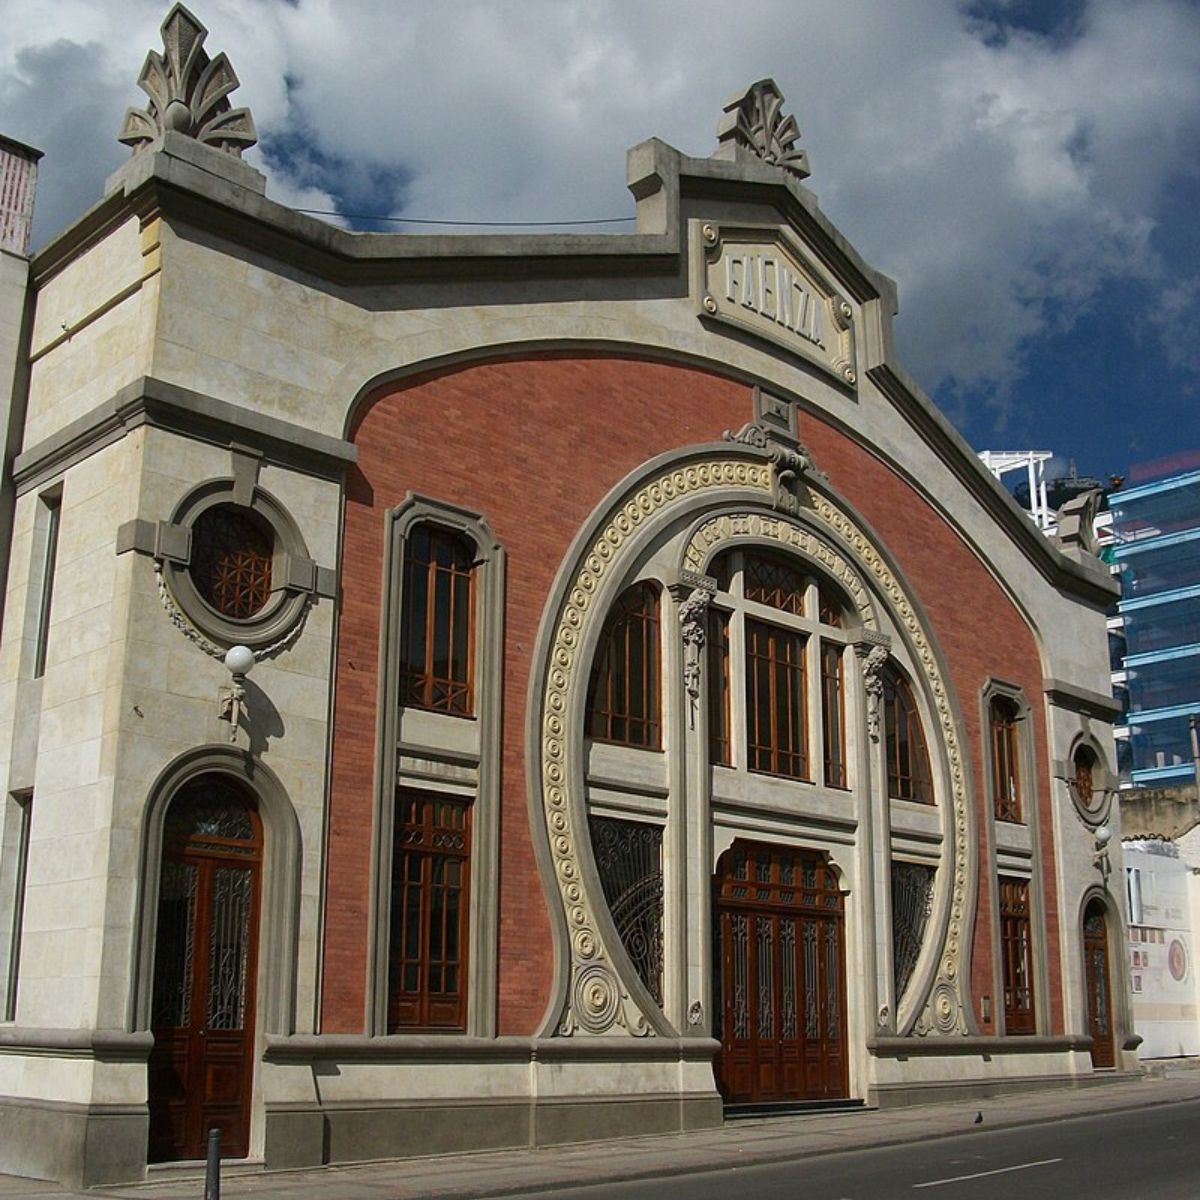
[
  {"x": 873, "y": 654},
  {"x": 693, "y": 627}
]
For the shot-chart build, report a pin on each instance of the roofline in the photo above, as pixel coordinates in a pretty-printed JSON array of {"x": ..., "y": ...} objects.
[{"x": 220, "y": 195}]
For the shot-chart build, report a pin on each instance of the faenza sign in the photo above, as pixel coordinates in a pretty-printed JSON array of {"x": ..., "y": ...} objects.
[{"x": 754, "y": 279}]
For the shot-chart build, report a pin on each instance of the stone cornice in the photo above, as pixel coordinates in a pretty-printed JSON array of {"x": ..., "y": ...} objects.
[
  {"x": 104, "y": 1045},
  {"x": 308, "y": 1048},
  {"x": 914, "y": 1047},
  {"x": 153, "y": 402},
  {"x": 191, "y": 184},
  {"x": 1081, "y": 700}
]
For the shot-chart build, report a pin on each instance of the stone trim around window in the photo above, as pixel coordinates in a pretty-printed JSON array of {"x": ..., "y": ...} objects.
[
  {"x": 296, "y": 580},
  {"x": 438, "y": 752},
  {"x": 996, "y": 689},
  {"x": 1014, "y": 849},
  {"x": 279, "y": 905},
  {"x": 1095, "y": 810}
]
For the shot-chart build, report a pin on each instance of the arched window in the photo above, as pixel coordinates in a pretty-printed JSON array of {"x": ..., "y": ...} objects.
[
  {"x": 908, "y": 771},
  {"x": 437, "y": 627},
  {"x": 779, "y": 634},
  {"x": 623, "y": 698},
  {"x": 1006, "y": 768}
]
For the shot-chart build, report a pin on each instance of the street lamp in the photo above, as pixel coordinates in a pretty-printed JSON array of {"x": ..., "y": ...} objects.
[
  {"x": 1100, "y": 857},
  {"x": 239, "y": 660}
]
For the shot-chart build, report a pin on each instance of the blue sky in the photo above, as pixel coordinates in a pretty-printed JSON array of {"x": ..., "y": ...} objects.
[{"x": 1027, "y": 170}]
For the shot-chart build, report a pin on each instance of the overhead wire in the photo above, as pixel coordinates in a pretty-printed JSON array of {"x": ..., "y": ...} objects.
[{"x": 325, "y": 212}]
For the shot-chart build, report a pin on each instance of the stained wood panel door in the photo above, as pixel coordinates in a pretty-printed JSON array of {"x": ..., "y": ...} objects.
[
  {"x": 201, "y": 1066},
  {"x": 1098, "y": 983},
  {"x": 781, "y": 964}
]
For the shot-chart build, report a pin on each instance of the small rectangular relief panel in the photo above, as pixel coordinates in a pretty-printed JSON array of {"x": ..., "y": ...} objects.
[{"x": 757, "y": 278}]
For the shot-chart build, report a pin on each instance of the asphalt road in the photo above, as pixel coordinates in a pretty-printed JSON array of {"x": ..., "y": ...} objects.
[{"x": 1144, "y": 1154}]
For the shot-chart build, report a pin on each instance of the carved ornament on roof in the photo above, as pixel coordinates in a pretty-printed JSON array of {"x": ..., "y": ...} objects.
[
  {"x": 188, "y": 93},
  {"x": 754, "y": 121}
]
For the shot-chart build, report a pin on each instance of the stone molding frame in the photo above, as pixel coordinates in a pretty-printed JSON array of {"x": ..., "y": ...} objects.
[
  {"x": 1105, "y": 780},
  {"x": 483, "y": 919},
  {"x": 296, "y": 580},
  {"x": 595, "y": 989},
  {"x": 1030, "y": 821},
  {"x": 1121, "y": 992},
  {"x": 279, "y": 922}
]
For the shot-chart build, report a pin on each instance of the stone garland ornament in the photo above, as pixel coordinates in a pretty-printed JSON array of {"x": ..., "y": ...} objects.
[
  {"x": 178, "y": 618},
  {"x": 188, "y": 93},
  {"x": 754, "y": 125}
]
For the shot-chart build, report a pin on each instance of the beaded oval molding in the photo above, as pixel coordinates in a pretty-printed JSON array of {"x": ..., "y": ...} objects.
[
  {"x": 596, "y": 1001},
  {"x": 938, "y": 1013},
  {"x": 945, "y": 1008}
]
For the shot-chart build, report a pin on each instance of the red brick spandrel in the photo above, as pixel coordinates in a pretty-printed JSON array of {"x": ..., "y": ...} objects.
[{"x": 533, "y": 444}]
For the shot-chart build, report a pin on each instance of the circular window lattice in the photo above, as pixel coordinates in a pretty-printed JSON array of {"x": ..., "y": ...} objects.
[
  {"x": 234, "y": 574},
  {"x": 232, "y": 554}
]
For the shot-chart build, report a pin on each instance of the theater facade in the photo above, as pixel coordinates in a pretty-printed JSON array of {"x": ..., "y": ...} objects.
[{"x": 477, "y": 691}]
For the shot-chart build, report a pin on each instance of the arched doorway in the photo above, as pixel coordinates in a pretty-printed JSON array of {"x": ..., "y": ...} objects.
[
  {"x": 780, "y": 959},
  {"x": 205, "y": 960},
  {"x": 1098, "y": 983}
]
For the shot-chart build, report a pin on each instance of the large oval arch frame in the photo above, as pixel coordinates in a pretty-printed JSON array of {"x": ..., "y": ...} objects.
[{"x": 594, "y": 987}]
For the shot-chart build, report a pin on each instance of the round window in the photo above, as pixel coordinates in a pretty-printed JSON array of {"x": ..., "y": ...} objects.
[
  {"x": 234, "y": 573},
  {"x": 232, "y": 553}
]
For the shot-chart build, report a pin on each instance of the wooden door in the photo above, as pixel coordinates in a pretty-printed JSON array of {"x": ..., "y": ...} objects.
[
  {"x": 205, "y": 961},
  {"x": 779, "y": 926},
  {"x": 1097, "y": 980}
]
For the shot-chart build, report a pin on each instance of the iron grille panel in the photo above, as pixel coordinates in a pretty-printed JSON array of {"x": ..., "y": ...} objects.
[
  {"x": 629, "y": 859},
  {"x": 912, "y": 902}
]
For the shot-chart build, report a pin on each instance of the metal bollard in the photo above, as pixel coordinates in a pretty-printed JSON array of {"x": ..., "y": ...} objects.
[{"x": 212, "y": 1168}]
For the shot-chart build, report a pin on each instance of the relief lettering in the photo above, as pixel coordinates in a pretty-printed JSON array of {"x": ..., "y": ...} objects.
[
  {"x": 778, "y": 290},
  {"x": 768, "y": 270}
]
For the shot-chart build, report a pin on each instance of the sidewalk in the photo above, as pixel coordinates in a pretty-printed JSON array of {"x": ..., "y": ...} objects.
[{"x": 738, "y": 1143}]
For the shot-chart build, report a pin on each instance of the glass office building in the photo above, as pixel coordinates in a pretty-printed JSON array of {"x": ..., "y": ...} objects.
[{"x": 1156, "y": 522}]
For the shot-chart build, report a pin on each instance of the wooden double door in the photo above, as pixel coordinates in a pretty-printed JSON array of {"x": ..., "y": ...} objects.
[
  {"x": 780, "y": 957},
  {"x": 205, "y": 961}
]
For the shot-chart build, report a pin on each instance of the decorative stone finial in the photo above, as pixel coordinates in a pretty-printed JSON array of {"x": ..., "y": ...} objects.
[
  {"x": 754, "y": 125},
  {"x": 187, "y": 93},
  {"x": 1077, "y": 524}
]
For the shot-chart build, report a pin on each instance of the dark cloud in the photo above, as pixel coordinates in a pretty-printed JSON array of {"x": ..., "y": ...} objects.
[
  {"x": 58, "y": 99},
  {"x": 1017, "y": 165}
]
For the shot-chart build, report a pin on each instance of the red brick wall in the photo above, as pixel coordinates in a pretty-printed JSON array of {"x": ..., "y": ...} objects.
[{"x": 534, "y": 444}]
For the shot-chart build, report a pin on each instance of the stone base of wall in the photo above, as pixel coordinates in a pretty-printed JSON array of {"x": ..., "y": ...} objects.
[
  {"x": 902, "y": 1095},
  {"x": 73, "y": 1144},
  {"x": 304, "y": 1136}
]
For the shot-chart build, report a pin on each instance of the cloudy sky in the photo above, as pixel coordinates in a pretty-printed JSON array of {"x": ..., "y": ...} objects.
[{"x": 1028, "y": 170}]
